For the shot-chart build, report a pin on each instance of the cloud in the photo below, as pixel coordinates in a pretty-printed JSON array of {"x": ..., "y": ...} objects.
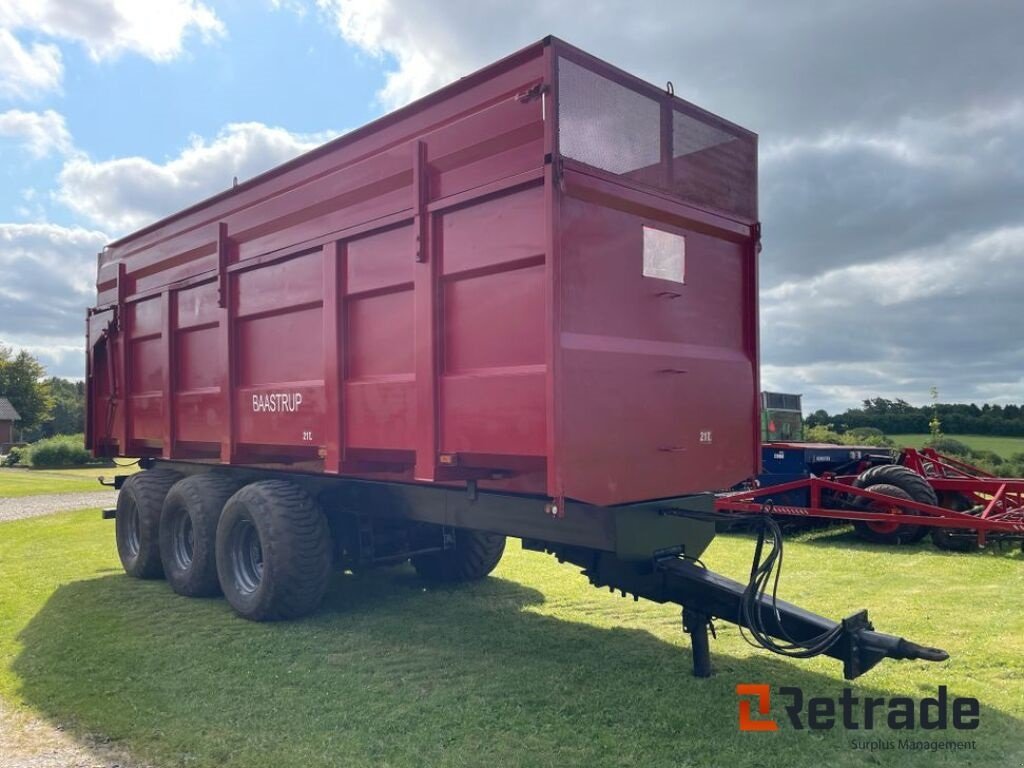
[
  {"x": 155, "y": 29},
  {"x": 49, "y": 276},
  {"x": 41, "y": 133},
  {"x": 946, "y": 315},
  {"x": 126, "y": 193},
  {"x": 26, "y": 72},
  {"x": 892, "y": 156},
  {"x": 849, "y": 196},
  {"x": 892, "y": 162},
  {"x": 809, "y": 65},
  {"x": 48, "y": 272}
]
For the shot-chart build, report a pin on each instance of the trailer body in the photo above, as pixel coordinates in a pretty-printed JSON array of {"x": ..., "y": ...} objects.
[
  {"x": 524, "y": 305},
  {"x": 541, "y": 278}
]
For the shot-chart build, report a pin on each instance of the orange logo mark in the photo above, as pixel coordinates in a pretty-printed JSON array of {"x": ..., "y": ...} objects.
[{"x": 763, "y": 693}]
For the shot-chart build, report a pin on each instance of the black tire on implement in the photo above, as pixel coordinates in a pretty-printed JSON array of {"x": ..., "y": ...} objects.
[
  {"x": 273, "y": 551},
  {"x": 188, "y": 533},
  {"x": 953, "y": 539},
  {"x": 882, "y": 532},
  {"x": 916, "y": 487},
  {"x": 475, "y": 555},
  {"x": 137, "y": 522}
]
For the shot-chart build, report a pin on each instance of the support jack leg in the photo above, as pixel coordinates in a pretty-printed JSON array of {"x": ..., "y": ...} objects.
[{"x": 695, "y": 624}]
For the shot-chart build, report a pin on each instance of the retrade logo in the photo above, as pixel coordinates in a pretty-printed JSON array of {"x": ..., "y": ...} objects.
[
  {"x": 854, "y": 713},
  {"x": 762, "y": 694}
]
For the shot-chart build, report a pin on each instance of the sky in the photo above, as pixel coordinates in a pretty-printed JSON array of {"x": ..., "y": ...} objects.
[{"x": 891, "y": 151}]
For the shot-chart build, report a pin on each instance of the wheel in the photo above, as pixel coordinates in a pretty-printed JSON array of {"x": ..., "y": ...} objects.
[
  {"x": 883, "y": 531},
  {"x": 917, "y": 489},
  {"x": 188, "y": 533},
  {"x": 137, "y": 521},
  {"x": 474, "y": 555},
  {"x": 273, "y": 551},
  {"x": 954, "y": 539}
]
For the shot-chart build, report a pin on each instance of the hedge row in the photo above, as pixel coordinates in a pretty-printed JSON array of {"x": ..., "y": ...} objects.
[{"x": 57, "y": 451}]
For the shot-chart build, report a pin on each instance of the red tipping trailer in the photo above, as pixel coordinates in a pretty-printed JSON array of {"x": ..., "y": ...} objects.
[
  {"x": 524, "y": 305},
  {"x": 515, "y": 276}
]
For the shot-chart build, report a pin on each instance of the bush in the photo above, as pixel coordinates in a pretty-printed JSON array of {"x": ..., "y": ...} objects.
[
  {"x": 862, "y": 433},
  {"x": 15, "y": 456},
  {"x": 948, "y": 446},
  {"x": 57, "y": 451},
  {"x": 859, "y": 436},
  {"x": 989, "y": 457},
  {"x": 822, "y": 434}
]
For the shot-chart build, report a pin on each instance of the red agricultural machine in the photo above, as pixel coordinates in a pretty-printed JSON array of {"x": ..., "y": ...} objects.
[
  {"x": 962, "y": 506},
  {"x": 891, "y": 497},
  {"x": 525, "y": 305}
]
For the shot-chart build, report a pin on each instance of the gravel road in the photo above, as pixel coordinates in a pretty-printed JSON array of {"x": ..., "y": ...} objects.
[{"x": 35, "y": 506}]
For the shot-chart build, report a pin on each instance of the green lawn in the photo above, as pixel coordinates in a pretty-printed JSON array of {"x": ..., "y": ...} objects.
[
  {"x": 531, "y": 667},
  {"x": 15, "y": 481},
  {"x": 1004, "y": 446}
]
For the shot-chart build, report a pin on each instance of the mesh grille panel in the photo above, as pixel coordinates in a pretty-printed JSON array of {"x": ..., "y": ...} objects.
[
  {"x": 711, "y": 166},
  {"x": 606, "y": 125},
  {"x": 612, "y": 127}
]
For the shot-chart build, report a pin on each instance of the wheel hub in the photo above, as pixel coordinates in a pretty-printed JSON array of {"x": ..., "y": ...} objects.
[
  {"x": 246, "y": 554},
  {"x": 184, "y": 541}
]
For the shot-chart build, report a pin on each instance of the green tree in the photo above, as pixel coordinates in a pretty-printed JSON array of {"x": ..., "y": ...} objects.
[
  {"x": 21, "y": 382},
  {"x": 68, "y": 408}
]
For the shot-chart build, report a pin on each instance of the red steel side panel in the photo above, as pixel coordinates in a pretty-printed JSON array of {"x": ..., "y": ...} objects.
[
  {"x": 655, "y": 393},
  {"x": 356, "y": 312},
  {"x": 494, "y": 326}
]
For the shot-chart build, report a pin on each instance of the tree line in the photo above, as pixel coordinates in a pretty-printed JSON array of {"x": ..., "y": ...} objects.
[
  {"x": 896, "y": 417},
  {"x": 47, "y": 405}
]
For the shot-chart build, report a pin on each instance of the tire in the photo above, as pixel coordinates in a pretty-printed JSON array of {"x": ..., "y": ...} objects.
[
  {"x": 273, "y": 552},
  {"x": 137, "y": 521},
  {"x": 916, "y": 487},
  {"x": 188, "y": 533},
  {"x": 882, "y": 532},
  {"x": 947, "y": 538},
  {"x": 473, "y": 557}
]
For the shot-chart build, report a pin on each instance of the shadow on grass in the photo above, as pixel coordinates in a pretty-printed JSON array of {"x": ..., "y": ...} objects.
[{"x": 390, "y": 673}]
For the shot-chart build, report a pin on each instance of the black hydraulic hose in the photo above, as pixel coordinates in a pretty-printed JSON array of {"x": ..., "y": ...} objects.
[
  {"x": 757, "y": 608},
  {"x": 752, "y": 626}
]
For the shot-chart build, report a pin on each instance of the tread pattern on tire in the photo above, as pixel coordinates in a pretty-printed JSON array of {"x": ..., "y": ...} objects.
[
  {"x": 148, "y": 488},
  {"x": 901, "y": 535},
  {"x": 204, "y": 496},
  {"x": 946, "y": 538},
  {"x": 913, "y": 484},
  {"x": 296, "y": 550},
  {"x": 475, "y": 555},
  {"x": 902, "y": 477}
]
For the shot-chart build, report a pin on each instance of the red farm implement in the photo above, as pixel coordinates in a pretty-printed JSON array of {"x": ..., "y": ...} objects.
[{"x": 963, "y": 507}]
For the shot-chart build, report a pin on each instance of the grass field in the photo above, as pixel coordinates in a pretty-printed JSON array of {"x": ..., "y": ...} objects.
[
  {"x": 15, "y": 481},
  {"x": 1004, "y": 446},
  {"x": 531, "y": 667}
]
